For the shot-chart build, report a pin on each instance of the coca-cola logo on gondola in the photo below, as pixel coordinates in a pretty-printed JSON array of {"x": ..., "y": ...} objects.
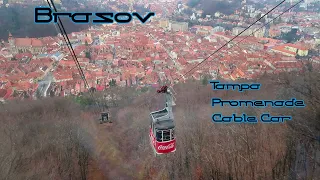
[{"x": 169, "y": 146}]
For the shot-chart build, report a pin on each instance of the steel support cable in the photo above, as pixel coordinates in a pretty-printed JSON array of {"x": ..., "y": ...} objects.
[
  {"x": 63, "y": 35},
  {"x": 244, "y": 31},
  {"x": 66, "y": 38},
  {"x": 76, "y": 62},
  {"x": 236, "y": 44},
  {"x": 232, "y": 39}
]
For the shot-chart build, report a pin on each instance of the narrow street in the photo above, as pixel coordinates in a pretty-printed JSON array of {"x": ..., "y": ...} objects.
[
  {"x": 169, "y": 54},
  {"x": 44, "y": 85}
]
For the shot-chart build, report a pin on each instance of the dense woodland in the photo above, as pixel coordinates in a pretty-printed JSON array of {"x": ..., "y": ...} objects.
[{"x": 56, "y": 138}]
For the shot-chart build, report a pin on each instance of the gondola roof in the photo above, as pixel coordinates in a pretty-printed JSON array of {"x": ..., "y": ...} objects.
[{"x": 165, "y": 124}]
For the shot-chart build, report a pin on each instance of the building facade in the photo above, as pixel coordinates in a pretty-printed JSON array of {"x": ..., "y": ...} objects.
[{"x": 178, "y": 26}]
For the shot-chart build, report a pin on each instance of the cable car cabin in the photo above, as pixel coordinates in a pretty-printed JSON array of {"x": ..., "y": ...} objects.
[
  {"x": 105, "y": 118},
  {"x": 162, "y": 136}
]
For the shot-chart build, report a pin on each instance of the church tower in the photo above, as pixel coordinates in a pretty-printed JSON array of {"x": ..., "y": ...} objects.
[
  {"x": 11, "y": 40},
  {"x": 88, "y": 34},
  {"x": 131, "y": 10}
]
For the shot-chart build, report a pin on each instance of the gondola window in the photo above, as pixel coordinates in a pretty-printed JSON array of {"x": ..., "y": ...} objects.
[{"x": 159, "y": 136}]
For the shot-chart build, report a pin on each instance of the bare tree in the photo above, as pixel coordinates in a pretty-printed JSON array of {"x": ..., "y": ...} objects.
[
  {"x": 39, "y": 140},
  {"x": 56, "y": 139}
]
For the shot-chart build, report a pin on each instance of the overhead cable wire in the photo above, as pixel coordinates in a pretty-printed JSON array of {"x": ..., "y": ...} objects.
[
  {"x": 232, "y": 39},
  {"x": 237, "y": 44},
  {"x": 63, "y": 33},
  {"x": 245, "y": 30},
  {"x": 66, "y": 38}
]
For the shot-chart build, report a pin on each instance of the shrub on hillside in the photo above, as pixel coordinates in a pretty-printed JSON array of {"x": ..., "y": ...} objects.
[{"x": 45, "y": 139}]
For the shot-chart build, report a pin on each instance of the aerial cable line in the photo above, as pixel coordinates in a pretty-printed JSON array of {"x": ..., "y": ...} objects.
[
  {"x": 245, "y": 30},
  {"x": 63, "y": 31},
  {"x": 231, "y": 39},
  {"x": 63, "y": 35},
  {"x": 236, "y": 44},
  {"x": 66, "y": 38}
]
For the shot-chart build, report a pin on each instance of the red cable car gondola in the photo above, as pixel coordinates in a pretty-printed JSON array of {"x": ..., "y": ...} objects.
[{"x": 162, "y": 136}]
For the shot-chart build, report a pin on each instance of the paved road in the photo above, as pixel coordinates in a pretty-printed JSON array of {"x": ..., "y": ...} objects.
[
  {"x": 43, "y": 88},
  {"x": 167, "y": 51},
  {"x": 44, "y": 84}
]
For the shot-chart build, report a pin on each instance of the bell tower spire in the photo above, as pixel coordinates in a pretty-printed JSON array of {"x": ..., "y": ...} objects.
[
  {"x": 131, "y": 8},
  {"x": 10, "y": 39}
]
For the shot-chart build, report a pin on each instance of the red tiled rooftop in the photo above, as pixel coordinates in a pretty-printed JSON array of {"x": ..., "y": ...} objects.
[
  {"x": 3, "y": 92},
  {"x": 282, "y": 49},
  {"x": 67, "y": 63},
  {"x": 28, "y": 42},
  {"x": 8, "y": 93},
  {"x": 25, "y": 86},
  {"x": 300, "y": 47},
  {"x": 21, "y": 55}
]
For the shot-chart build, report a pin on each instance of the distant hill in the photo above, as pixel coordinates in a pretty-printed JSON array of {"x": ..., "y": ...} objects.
[
  {"x": 19, "y": 20},
  {"x": 210, "y": 7}
]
